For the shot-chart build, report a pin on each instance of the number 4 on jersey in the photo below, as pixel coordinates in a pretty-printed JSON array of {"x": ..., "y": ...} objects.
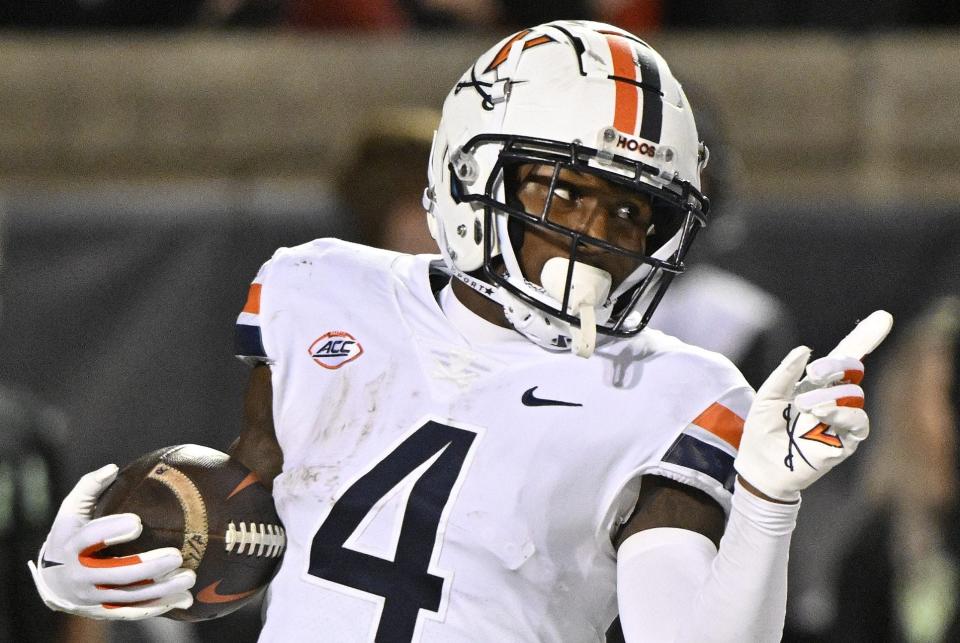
[{"x": 404, "y": 582}]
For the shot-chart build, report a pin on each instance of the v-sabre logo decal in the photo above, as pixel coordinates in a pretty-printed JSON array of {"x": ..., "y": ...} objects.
[
  {"x": 501, "y": 56},
  {"x": 334, "y": 349}
]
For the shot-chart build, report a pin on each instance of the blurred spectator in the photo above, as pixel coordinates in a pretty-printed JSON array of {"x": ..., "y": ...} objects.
[
  {"x": 373, "y": 15},
  {"x": 639, "y": 16},
  {"x": 859, "y": 15},
  {"x": 709, "y": 306},
  {"x": 364, "y": 15},
  {"x": 31, "y": 453},
  {"x": 382, "y": 186},
  {"x": 900, "y": 578},
  {"x": 533, "y": 12},
  {"x": 139, "y": 14}
]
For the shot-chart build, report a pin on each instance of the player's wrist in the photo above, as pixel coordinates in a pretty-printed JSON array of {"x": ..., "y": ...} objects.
[
  {"x": 770, "y": 516},
  {"x": 787, "y": 498}
]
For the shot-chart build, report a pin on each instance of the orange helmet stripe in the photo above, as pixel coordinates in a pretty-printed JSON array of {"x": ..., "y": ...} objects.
[{"x": 627, "y": 99}]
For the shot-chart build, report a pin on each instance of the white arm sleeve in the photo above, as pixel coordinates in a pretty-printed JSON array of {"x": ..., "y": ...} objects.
[{"x": 673, "y": 584}]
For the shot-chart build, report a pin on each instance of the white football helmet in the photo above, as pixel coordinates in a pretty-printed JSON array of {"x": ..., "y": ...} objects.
[{"x": 576, "y": 95}]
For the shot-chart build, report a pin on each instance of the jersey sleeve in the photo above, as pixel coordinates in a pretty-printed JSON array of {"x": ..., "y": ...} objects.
[
  {"x": 248, "y": 334},
  {"x": 702, "y": 455}
]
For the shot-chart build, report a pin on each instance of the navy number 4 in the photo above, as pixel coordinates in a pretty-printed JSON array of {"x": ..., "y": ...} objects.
[{"x": 404, "y": 582}]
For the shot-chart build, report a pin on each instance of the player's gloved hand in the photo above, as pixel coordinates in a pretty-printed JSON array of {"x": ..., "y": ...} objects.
[
  {"x": 796, "y": 432},
  {"x": 70, "y": 579}
]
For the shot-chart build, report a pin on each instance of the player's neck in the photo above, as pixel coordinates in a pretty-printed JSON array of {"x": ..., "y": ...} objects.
[{"x": 479, "y": 305}]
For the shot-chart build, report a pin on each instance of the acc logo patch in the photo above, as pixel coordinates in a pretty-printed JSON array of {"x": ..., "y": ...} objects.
[{"x": 334, "y": 349}]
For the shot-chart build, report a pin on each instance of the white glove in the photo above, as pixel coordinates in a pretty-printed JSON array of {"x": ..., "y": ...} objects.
[
  {"x": 796, "y": 432},
  {"x": 70, "y": 579}
]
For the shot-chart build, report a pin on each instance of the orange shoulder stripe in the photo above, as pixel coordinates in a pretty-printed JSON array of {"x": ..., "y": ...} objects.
[
  {"x": 722, "y": 422},
  {"x": 253, "y": 300}
]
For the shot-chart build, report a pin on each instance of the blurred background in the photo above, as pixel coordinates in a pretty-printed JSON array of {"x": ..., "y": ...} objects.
[{"x": 154, "y": 153}]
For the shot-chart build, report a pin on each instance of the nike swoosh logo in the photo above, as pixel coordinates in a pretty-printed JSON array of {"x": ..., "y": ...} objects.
[
  {"x": 209, "y": 594},
  {"x": 529, "y": 399}
]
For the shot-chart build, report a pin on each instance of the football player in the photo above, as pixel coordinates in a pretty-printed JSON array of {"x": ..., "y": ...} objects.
[{"x": 490, "y": 446}]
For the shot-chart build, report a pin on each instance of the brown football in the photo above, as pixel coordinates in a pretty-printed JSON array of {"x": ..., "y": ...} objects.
[{"x": 211, "y": 508}]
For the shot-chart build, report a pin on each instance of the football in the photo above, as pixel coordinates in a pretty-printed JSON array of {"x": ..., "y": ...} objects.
[{"x": 211, "y": 508}]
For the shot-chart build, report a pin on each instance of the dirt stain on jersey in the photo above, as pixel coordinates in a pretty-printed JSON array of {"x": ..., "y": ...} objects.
[
  {"x": 317, "y": 480},
  {"x": 373, "y": 401},
  {"x": 330, "y": 415},
  {"x": 371, "y": 390}
]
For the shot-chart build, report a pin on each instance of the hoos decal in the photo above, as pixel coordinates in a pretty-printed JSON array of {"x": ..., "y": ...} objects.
[{"x": 334, "y": 349}]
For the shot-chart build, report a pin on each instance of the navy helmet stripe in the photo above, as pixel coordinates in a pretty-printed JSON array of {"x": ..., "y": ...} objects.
[{"x": 651, "y": 120}]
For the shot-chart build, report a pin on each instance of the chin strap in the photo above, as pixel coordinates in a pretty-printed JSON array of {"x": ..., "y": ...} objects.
[{"x": 589, "y": 287}]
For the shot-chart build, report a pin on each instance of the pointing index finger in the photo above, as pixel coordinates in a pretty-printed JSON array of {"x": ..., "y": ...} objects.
[{"x": 865, "y": 337}]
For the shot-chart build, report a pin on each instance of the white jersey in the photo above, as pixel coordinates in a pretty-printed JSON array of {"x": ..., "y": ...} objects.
[{"x": 445, "y": 479}]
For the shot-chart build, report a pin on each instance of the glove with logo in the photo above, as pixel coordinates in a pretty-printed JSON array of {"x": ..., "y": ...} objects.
[
  {"x": 70, "y": 579},
  {"x": 796, "y": 432}
]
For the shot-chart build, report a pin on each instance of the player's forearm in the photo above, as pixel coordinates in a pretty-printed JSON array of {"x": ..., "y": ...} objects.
[
  {"x": 677, "y": 591},
  {"x": 744, "y": 597}
]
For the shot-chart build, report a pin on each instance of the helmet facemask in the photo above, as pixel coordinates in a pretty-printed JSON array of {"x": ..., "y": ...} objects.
[{"x": 569, "y": 294}]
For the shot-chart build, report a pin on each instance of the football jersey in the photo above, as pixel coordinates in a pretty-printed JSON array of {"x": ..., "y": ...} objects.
[{"x": 444, "y": 479}]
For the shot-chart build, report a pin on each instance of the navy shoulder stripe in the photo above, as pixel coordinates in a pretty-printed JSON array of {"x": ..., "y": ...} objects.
[
  {"x": 248, "y": 341},
  {"x": 687, "y": 451}
]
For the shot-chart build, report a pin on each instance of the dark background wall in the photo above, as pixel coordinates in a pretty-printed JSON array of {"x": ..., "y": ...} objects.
[{"x": 122, "y": 313}]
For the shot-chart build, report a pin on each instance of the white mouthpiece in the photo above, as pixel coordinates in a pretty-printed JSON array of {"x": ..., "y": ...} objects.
[{"x": 589, "y": 287}]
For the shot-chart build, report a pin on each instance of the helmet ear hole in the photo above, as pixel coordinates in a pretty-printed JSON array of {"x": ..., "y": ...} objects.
[{"x": 465, "y": 166}]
